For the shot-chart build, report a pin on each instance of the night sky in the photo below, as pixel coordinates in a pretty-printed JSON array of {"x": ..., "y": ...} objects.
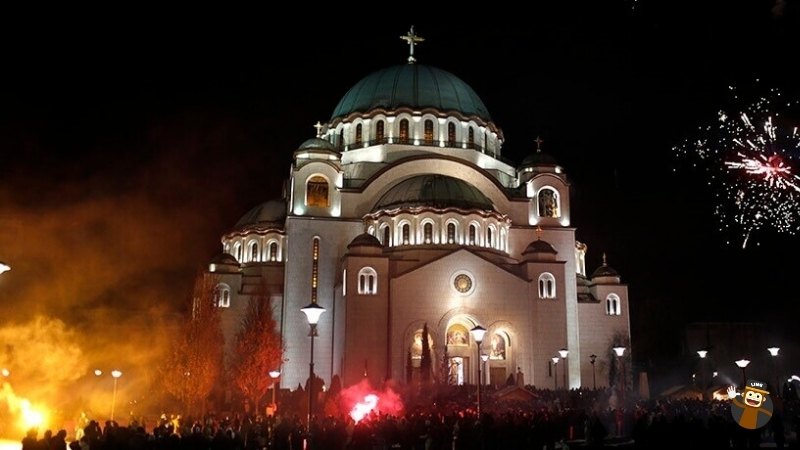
[{"x": 127, "y": 151}]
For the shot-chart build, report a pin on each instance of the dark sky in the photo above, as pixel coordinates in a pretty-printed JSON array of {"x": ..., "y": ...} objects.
[{"x": 128, "y": 149}]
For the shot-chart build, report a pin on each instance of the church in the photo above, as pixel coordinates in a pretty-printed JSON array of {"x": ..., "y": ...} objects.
[{"x": 400, "y": 215}]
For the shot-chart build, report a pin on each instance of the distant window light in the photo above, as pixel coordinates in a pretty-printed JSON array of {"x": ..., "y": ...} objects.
[
  {"x": 428, "y": 132},
  {"x": 451, "y": 134},
  {"x": 367, "y": 281},
  {"x": 379, "y": 133},
  {"x": 547, "y": 286},
  {"x": 387, "y": 235},
  {"x": 317, "y": 192},
  {"x": 404, "y": 131},
  {"x": 613, "y": 305},
  {"x": 222, "y": 295}
]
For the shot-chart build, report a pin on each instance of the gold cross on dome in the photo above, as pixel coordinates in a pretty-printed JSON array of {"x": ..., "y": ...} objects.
[
  {"x": 538, "y": 141},
  {"x": 319, "y": 127},
  {"x": 412, "y": 40}
]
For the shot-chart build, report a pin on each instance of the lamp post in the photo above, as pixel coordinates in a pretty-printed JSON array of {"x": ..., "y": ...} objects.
[
  {"x": 742, "y": 363},
  {"x": 773, "y": 351},
  {"x": 313, "y": 312},
  {"x": 274, "y": 374},
  {"x": 620, "y": 352},
  {"x": 555, "y": 372},
  {"x": 477, "y": 334},
  {"x": 702, "y": 354},
  {"x": 484, "y": 358},
  {"x": 592, "y": 359},
  {"x": 563, "y": 353}
]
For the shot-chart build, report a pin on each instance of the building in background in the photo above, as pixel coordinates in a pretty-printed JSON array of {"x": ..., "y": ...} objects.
[{"x": 402, "y": 212}]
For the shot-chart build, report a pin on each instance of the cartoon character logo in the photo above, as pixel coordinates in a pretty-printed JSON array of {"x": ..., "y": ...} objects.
[{"x": 756, "y": 409}]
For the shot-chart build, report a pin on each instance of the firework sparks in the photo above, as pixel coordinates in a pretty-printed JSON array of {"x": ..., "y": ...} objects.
[{"x": 751, "y": 159}]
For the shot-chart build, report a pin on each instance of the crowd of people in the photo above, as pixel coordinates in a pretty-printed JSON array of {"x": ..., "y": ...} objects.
[{"x": 552, "y": 419}]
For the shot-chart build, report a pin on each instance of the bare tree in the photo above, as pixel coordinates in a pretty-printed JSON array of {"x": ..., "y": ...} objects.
[
  {"x": 194, "y": 362},
  {"x": 258, "y": 348}
]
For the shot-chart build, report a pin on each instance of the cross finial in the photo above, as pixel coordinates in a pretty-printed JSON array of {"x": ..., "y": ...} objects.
[
  {"x": 319, "y": 127},
  {"x": 412, "y": 40},
  {"x": 605, "y": 262},
  {"x": 538, "y": 232},
  {"x": 538, "y": 141}
]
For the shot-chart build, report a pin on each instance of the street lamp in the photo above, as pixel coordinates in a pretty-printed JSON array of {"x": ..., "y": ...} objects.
[
  {"x": 555, "y": 372},
  {"x": 313, "y": 312},
  {"x": 484, "y": 358},
  {"x": 702, "y": 354},
  {"x": 274, "y": 374},
  {"x": 114, "y": 374},
  {"x": 563, "y": 353},
  {"x": 592, "y": 359},
  {"x": 4, "y": 267},
  {"x": 477, "y": 334},
  {"x": 620, "y": 352},
  {"x": 742, "y": 363},
  {"x": 773, "y": 351}
]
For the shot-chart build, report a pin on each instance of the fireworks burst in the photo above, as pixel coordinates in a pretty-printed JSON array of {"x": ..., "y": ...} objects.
[{"x": 752, "y": 162}]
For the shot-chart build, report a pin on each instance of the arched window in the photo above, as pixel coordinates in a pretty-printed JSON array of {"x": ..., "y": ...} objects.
[
  {"x": 428, "y": 132},
  {"x": 473, "y": 233},
  {"x": 451, "y": 233},
  {"x": 341, "y": 138},
  {"x": 405, "y": 232},
  {"x": 387, "y": 236},
  {"x": 427, "y": 231},
  {"x": 471, "y": 138},
  {"x": 404, "y": 131},
  {"x": 547, "y": 285},
  {"x": 613, "y": 305},
  {"x": 548, "y": 203},
  {"x": 489, "y": 240},
  {"x": 359, "y": 129},
  {"x": 237, "y": 251},
  {"x": 451, "y": 134},
  {"x": 379, "y": 132},
  {"x": 317, "y": 192},
  {"x": 222, "y": 295},
  {"x": 254, "y": 252},
  {"x": 273, "y": 251},
  {"x": 367, "y": 281}
]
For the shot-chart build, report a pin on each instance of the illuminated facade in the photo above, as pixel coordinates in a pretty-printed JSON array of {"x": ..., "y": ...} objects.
[{"x": 400, "y": 213}]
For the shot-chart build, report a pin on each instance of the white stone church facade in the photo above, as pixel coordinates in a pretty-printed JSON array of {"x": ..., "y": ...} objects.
[{"x": 401, "y": 213}]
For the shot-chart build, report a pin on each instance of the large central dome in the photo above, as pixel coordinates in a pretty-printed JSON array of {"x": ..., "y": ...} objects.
[
  {"x": 436, "y": 191},
  {"x": 414, "y": 86}
]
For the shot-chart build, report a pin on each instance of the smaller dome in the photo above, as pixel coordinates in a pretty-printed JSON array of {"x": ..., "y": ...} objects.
[
  {"x": 539, "y": 246},
  {"x": 435, "y": 191},
  {"x": 225, "y": 258},
  {"x": 539, "y": 158},
  {"x": 365, "y": 240},
  {"x": 316, "y": 144},
  {"x": 605, "y": 270},
  {"x": 272, "y": 212}
]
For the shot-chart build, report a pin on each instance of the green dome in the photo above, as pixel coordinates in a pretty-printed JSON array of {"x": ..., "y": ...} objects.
[
  {"x": 436, "y": 191},
  {"x": 415, "y": 86}
]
